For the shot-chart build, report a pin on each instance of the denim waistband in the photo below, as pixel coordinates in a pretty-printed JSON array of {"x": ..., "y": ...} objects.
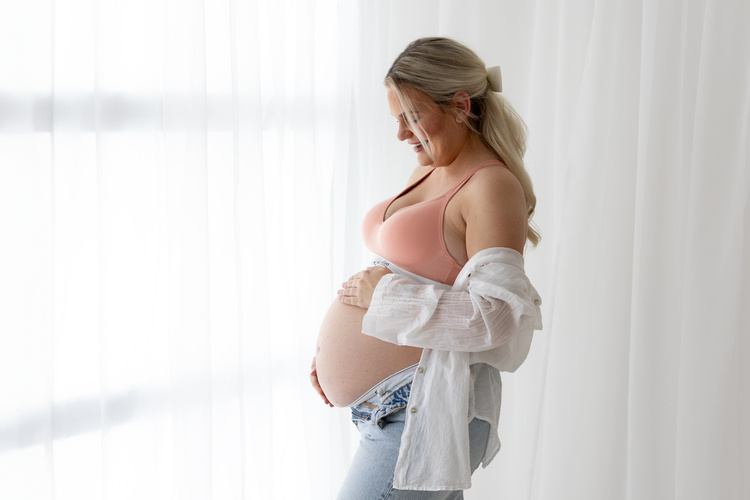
[
  {"x": 387, "y": 396},
  {"x": 388, "y": 384}
]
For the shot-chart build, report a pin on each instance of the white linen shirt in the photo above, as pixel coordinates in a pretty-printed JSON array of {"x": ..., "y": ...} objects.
[{"x": 486, "y": 318}]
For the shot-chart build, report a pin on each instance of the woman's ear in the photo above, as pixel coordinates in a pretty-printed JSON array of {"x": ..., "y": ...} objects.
[{"x": 461, "y": 105}]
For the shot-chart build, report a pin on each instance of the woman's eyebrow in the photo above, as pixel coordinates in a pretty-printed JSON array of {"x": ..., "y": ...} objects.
[{"x": 401, "y": 115}]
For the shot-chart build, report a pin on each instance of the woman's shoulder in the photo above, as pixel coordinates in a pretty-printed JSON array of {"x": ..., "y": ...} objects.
[{"x": 493, "y": 181}]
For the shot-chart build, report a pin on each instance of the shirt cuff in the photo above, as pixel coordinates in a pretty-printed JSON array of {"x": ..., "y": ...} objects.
[{"x": 392, "y": 315}]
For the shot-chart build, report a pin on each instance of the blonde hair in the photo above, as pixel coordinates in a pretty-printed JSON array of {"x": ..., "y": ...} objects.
[{"x": 440, "y": 67}]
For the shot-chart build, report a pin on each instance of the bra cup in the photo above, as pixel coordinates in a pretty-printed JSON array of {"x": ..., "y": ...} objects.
[{"x": 413, "y": 238}]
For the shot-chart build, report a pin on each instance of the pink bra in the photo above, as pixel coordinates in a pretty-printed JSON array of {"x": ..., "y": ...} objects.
[{"x": 412, "y": 238}]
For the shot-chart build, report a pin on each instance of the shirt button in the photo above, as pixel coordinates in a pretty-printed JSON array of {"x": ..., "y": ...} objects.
[
  {"x": 537, "y": 302},
  {"x": 420, "y": 369},
  {"x": 414, "y": 410}
]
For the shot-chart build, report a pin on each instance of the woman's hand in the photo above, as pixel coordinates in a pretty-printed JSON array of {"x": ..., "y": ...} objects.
[
  {"x": 316, "y": 384},
  {"x": 358, "y": 290}
]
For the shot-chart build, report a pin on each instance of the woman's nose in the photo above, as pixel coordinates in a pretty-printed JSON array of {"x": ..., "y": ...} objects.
[{"x": 403, "y": 132}]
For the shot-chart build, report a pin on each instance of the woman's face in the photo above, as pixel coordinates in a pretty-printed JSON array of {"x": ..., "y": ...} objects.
[{"x": 435, "y": 136}]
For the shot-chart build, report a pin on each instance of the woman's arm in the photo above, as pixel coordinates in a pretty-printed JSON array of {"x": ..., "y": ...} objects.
[
  {"x": 495, "y": 302},
  {"x": 493, "y": 207}
]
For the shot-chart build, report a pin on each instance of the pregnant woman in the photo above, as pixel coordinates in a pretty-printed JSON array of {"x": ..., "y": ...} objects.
[{"x": 414, "y": 345}]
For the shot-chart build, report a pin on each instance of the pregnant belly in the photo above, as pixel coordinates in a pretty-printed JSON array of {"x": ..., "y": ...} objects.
[{"x": 349, "y": 362}]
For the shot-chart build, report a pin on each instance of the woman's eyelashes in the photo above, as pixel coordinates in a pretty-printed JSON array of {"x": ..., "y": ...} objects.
[{"x": 408, "y": 119}]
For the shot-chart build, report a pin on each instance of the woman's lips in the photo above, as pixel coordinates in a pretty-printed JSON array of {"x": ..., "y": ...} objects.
[{"x": 418, "y": 147}]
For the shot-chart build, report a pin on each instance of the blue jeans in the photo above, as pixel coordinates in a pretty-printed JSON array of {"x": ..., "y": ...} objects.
[{"x": 380, "y": 421}]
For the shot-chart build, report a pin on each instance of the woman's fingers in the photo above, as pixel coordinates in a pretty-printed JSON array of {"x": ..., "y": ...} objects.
[
  {"x": 359, "y": 288},
  {"x": 318, "y": 389},
  {"x": 316, "y": 384},
  {"x": 351, "y": 296},
  {"x": 353, "y": 279}
]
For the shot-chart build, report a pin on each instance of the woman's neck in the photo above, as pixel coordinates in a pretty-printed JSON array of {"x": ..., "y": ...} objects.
[{"x": 474, "y": 152}]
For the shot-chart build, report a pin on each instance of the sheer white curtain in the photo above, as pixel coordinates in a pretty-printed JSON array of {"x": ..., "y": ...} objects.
[
  {"x": 181, "y": 185},
  {"x": 639, "y": 116},
  {"x": 166, "y": 175}
]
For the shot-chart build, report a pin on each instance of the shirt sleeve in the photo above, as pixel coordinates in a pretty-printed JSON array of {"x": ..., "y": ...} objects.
[{"x": 497, "y": 304}]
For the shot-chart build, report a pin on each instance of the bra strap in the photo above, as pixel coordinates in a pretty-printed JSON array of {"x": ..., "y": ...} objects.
[{"x": 468, "y": 176}]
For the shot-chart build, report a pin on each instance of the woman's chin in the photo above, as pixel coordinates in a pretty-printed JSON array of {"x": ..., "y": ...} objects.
[{"x": 423, "y": 159}]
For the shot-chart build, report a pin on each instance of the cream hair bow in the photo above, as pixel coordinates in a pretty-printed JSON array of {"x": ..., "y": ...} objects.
[{"x": 495, "y": 78}]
